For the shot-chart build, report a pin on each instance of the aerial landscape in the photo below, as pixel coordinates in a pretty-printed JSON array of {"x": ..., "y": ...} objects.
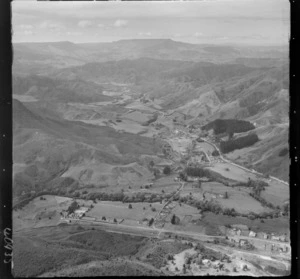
[{"x": 151, "y": 152}]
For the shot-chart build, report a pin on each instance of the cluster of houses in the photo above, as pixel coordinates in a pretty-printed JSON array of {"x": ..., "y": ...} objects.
[
  {"x": 242, "y": 230},
  {"x": 246, "y": 244}
]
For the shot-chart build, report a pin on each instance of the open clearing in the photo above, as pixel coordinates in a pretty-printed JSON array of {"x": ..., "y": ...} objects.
[
  {"x": 137, "y": 105},
  {"x": 120, "y": 211},
  {"x": 39, "y": 213},
  {"x": 204, "y": 146},
  {"x": 242, "y": 203},
  {"x": 277, "y": 193},
  {"x": 137, "y": 116},
  {"x": 232, "y": 172}
]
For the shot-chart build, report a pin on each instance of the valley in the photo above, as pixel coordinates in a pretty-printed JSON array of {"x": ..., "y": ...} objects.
[{"x": 132, "y": 150}]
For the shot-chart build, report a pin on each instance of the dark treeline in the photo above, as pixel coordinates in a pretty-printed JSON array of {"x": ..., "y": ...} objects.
[
  {"x": 229, "y": 126},
  {"x": 120, "y": 196},
  {"x": 197, "y": 171},
  {"x": 239, "y": 143}
]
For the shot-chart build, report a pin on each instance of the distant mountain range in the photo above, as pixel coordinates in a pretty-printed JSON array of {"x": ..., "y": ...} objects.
[{"x": 40, "y": 57}]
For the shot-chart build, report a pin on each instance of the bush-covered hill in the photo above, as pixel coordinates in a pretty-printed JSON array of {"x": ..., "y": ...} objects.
[{"x": 229, "y": 126}]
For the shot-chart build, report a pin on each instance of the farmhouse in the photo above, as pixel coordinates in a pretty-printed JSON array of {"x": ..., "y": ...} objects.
[
  {"x": 191, "y": 179},
  {"x": 244, "y": 242},
  {"x": 265, "y": 235},
  {"x": 252, "y": 234},
  {"x": 80, "y": 212},
  {"x": 275, "y": 237},
  {"x": 283, "y": 238}
]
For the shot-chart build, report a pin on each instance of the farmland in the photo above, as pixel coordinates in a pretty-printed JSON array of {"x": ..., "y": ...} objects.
[
  {"x": 121, "y": 211},
  {"x": 39, "y": 213},
  {"x": 232, "y": 172}
]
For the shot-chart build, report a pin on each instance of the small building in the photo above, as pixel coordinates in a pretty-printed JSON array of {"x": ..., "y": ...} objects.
[
  {"x": 266, "y": 236},
  {"x": 275, "y": 237},
  {"x": 243, "y": 242},
  {"x": 252, "y": 234},
  {"x": 80, "y": 212},
  {"x": 283, "y": 238},
  {"x": 286, "y": 249}
]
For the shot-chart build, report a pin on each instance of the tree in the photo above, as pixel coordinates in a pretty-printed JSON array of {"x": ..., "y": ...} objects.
[
  {"x": 156, "y": 172},
  {"x": 226, "y": 195},
  {"x": 215, "y": 153},
  {"x": 151, "y": 164},
  {"x": 199, "y": 183},
  {"x": 74, "y": 205},
  {"x": 104, "y": 218},
  {"x": 170, "y": 257},
  {"x": 151, "y": 222},
  {"x": 167, "y": 170},
  {"x": 153, "y": 209},
  {"x": 183, "y": 176},
  {"x": 175, "y": 220},
  {"x": 130, "y": 206},
  {"x": 115, "y": 220},
  {"x": 286, "y": 209}
]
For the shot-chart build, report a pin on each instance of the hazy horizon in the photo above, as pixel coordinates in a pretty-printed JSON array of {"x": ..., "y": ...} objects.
[
  {"x": 138, "y": 39},
  {"x": 220, "y": 22}
]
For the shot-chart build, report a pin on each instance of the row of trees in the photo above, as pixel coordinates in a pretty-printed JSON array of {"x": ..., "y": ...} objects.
[
  {"x": 257, "y": 186},
  {"x": 120, "y": 196},
  {"x": 262, "y": 200},
  {"x": 239, "y": 143},
  {"x": 211, "y": 206}
]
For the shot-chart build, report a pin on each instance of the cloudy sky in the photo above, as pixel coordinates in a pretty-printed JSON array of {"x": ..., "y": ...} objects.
[{"x": 259, "y": 22}]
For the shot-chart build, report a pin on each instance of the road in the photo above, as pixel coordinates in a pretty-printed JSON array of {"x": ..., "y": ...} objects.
[
  {"x": 251, "y": 253},
  {"x": 156, "y": 232},
  {"x": 153, "y": 231},
  {"x": 241, "y": 167},
  {"x": 167, "y": 203}
]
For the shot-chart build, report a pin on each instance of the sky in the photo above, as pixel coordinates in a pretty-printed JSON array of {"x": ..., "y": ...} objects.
[{"x": 253, "y": 22}]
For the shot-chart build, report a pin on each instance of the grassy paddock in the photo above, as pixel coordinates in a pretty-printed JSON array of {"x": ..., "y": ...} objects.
[{"x": 120, "y": 210}]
